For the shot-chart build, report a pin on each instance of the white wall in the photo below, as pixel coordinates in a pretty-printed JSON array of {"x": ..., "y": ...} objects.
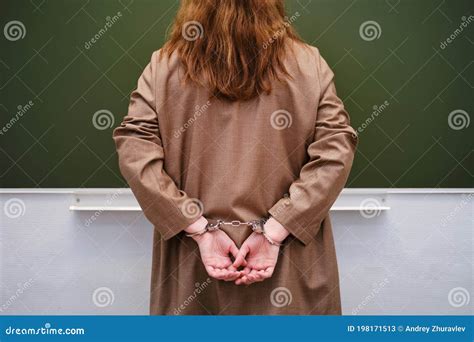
[{"x": 406, "y": 260}]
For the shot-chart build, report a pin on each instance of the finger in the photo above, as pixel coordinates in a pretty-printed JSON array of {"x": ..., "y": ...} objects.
[
  {"x": 254, "y": 276},
  {"x": 246, "y": 279},
  {"x": 260, "y": 276},
  {"x": 219, "y": 273},
  {"x": 226, "y": 274},
  {"x": 246, "y": 270},
  {"x": 240, "y": 258},
  {"x": 234, "y": 250},
  {"x": 241, "y": 279},
  {"x": 263, "y": 274},
  {"x": 242, "y": 276},
  {"x": 216, "y": 273},
  {"x": 267, "y": 273},
  {"x": 224, "y": 263},
  {"x": 232, "y": 268},
  {"x": 212, "y": 272},
  {"x": 244, "y": 263},
  {"x": 233, "y": 275},
  {"x": 236, "y": 274}
]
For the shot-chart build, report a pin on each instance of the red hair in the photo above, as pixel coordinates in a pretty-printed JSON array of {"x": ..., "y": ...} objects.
[{"x": 235, "y": 48}]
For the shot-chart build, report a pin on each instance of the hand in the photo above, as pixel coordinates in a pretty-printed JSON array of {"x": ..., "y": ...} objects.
[
  {"x": 215, "y": 248},
  {"x": 258, "y": 255},
  {"x": 259, "y": 258}
]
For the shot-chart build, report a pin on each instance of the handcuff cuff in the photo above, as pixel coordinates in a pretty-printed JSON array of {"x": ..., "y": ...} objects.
[{"x": 256, "y": 225}]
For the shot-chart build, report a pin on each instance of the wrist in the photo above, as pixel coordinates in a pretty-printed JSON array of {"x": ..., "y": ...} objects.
[
  {"x": 196, "y": 226},
  {"x": 275, "y": 230},
  {"x": 200, "y": 237}
]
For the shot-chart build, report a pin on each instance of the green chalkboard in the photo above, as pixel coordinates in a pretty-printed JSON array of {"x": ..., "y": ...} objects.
[{"x": 404, "y": 69}]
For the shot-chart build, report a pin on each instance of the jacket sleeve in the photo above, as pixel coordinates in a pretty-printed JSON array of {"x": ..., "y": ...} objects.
[
  {"x": 141, "y": 155},
  {"x": 323, "y": 177}
]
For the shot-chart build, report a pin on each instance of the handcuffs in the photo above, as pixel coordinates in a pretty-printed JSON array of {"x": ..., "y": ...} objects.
[{"x": 256, "y": 225}]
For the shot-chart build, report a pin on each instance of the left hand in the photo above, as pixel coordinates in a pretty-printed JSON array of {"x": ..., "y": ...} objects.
[
  {"x": 215, "y": 249},
  {"x": 258, "y": 255}
]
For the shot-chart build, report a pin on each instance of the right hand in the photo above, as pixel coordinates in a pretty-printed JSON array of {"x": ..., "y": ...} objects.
[
  {"x": 259, "y": 257},
  {"x": 215, "y": 248}
]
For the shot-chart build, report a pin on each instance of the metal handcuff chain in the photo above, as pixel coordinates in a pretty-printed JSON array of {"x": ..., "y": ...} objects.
[{"x": 256, "y": 225}]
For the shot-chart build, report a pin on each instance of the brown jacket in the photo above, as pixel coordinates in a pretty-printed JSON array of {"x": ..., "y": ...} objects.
[{"x": 287, "y": 154}]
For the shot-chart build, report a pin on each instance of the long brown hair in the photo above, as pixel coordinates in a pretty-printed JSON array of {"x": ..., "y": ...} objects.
[{"x": 235, "y": 48}]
